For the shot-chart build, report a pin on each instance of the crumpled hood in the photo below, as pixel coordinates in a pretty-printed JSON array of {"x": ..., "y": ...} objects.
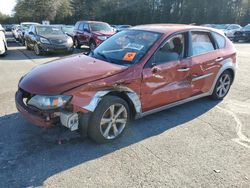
[{"x": 64, "y": 74}]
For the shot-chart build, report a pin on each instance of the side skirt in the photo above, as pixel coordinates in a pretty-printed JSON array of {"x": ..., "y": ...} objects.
[{"x": 172, "y": 105}]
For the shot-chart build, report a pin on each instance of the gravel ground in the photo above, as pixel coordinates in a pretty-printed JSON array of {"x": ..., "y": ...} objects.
[{"x": 199, "y": 144}]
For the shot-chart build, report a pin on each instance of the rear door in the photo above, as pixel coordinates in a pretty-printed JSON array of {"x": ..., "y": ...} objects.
[
  {"x": 166, "y": 77},
  {"x": 205, "y": 61}
]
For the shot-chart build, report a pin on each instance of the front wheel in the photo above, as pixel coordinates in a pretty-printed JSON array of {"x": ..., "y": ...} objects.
[
  {"x": 37, "y": 50},
  {"x": 77, "y": 43},
  {"x": 222, "y": 86},
  {"x": 92, "y": 45},
  {"x": 109, "y": 120},
  {"x": 27, "y": 46}
]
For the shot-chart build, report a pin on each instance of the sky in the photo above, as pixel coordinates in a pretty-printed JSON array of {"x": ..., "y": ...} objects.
[{"x": 6, "y": 6}]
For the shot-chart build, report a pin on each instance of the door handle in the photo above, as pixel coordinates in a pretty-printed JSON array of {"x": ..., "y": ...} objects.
[
  {"x": 183, "y": 69},
  {"x": 219, "y": 59}
]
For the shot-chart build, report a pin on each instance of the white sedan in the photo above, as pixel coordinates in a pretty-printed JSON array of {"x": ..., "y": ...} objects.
[{"x": 3, "y": 43}]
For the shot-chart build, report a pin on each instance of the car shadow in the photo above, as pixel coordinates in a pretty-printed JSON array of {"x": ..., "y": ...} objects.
[{"x": 30, "y": 155}]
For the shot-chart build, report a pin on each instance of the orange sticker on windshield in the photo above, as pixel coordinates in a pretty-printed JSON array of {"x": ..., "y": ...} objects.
[{"x": 129, "y": 56}]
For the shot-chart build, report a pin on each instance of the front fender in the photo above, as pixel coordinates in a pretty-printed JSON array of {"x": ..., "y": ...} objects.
[{"x": 89, "y": 101}]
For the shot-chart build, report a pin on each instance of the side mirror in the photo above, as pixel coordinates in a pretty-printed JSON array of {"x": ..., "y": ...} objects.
[
  {"x": 31, "y": 33},
  {"x": 85, "y": 30}
]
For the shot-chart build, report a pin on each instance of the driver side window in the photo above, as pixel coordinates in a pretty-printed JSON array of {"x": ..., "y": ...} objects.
[{"x": 172, "y": 50}]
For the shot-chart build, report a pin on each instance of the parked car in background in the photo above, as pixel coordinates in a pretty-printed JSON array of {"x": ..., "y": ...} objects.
[
  {"x": 7, "y": 27},
  {"x": 134, "y": 73},
  {"x": 3, "y": 42},
  {"x": 209, "y": 25},
  {"x": 121, "y": 27},
  {"x": 48, "y": 38},
  {"x": 69, "y": 30},
  {"x": 229, "y": 29},
  {"x": 243, "y": 34},
  {"x": 91, "y": 33},
  {"x": 24, "y": 27},
  {"x": 14, "y": 31}
]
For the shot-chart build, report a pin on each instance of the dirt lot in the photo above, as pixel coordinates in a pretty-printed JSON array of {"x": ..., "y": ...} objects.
[{"x": 199, "y": 144}]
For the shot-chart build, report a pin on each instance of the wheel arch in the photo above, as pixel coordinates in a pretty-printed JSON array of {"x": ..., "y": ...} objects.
[
  {"x": 227, "y": 65},
  {"x": 125, "y": 93}
]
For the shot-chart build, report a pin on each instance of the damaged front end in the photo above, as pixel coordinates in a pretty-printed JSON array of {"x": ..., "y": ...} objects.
[{"x": 47, "y": 111}]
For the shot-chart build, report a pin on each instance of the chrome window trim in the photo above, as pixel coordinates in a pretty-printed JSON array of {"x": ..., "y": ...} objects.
[{"x": 201, "y": 77}]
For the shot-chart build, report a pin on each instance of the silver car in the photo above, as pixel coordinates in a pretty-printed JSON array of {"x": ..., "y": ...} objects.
[{"x": 3, "y": 43}]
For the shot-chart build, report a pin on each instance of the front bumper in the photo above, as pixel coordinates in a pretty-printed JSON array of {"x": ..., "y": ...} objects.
[
  {"x": 56, "y": 48},
  {"x": 35, "y": 116},
  {"x": 241, "y": 37}
]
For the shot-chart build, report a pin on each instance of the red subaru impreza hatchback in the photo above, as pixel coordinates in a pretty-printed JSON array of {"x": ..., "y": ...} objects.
[{"x": 134, "y": 73}]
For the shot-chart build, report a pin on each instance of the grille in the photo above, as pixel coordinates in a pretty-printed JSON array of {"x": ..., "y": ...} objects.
[{"x": 58, "y": 41}]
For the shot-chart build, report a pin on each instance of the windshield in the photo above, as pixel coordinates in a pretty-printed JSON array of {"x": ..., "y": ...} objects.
[
  {"x": 68, "y": 29},
  {"x": 126, "y": 48},
  {"x": 100, "y": 27},
  {"x": 48, "y": 30},
  {"x": 247, "y": 27},
  {"x": 26, "y": 26}
]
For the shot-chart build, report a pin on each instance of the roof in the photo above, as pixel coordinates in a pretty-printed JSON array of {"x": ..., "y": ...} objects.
[
  {"x": 169, "y": 28},
  {"x": 88, "y": 21}
]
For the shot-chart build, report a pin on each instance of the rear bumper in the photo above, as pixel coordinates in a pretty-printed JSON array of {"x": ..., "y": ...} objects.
[{"x": 36, "y": 117}]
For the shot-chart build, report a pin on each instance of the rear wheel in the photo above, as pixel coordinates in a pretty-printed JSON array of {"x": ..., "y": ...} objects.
[
  {"x": 222, "y": 86},
  {"x": 109, "y": 120}
]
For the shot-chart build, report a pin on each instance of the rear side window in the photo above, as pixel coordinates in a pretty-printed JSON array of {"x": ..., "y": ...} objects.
[
  {"x": 220, "y": 40},
  {"x": 201, "y": 43}
]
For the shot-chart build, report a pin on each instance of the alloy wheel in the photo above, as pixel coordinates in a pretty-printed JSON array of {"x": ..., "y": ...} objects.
[
  {"x": 223, "y": 86},
  {"x": 113, "y": 121}
]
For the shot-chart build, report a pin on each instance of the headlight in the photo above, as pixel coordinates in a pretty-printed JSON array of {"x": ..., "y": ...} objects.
[
  {"x": 102, "y": 37},
  {"x": 44, "y": 40},
  {"x": 70, "y": 40},
  {"x": 49, "y": 102}
]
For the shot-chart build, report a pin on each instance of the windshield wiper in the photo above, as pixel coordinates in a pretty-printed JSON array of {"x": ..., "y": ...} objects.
[{"x": 104, "y": 57}]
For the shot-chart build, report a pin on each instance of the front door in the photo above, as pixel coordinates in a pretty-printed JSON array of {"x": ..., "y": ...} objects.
[{"x": 166, "y": 77}]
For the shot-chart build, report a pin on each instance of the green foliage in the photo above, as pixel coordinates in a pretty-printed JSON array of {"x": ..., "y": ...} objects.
[{"x": 134, "y": 11}]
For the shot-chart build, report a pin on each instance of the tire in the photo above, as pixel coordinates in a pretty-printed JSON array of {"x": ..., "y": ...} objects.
[
  {"x": 77, "y": 43},
  {"x": 37, "y": 50},
  {"x": 110, "y": 129},
  {"x": 71, "y": 51},
  {"x": 27, "y": 46},
  {"x": 23, "y": 42},
  {"x": 92, "y": 45},
  {"x": 222, "y": 86}
]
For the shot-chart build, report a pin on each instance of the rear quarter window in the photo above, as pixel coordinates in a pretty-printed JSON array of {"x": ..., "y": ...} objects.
[
  {"x": 201, "y": 43},
  {"x": 221, "y": 41}
]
